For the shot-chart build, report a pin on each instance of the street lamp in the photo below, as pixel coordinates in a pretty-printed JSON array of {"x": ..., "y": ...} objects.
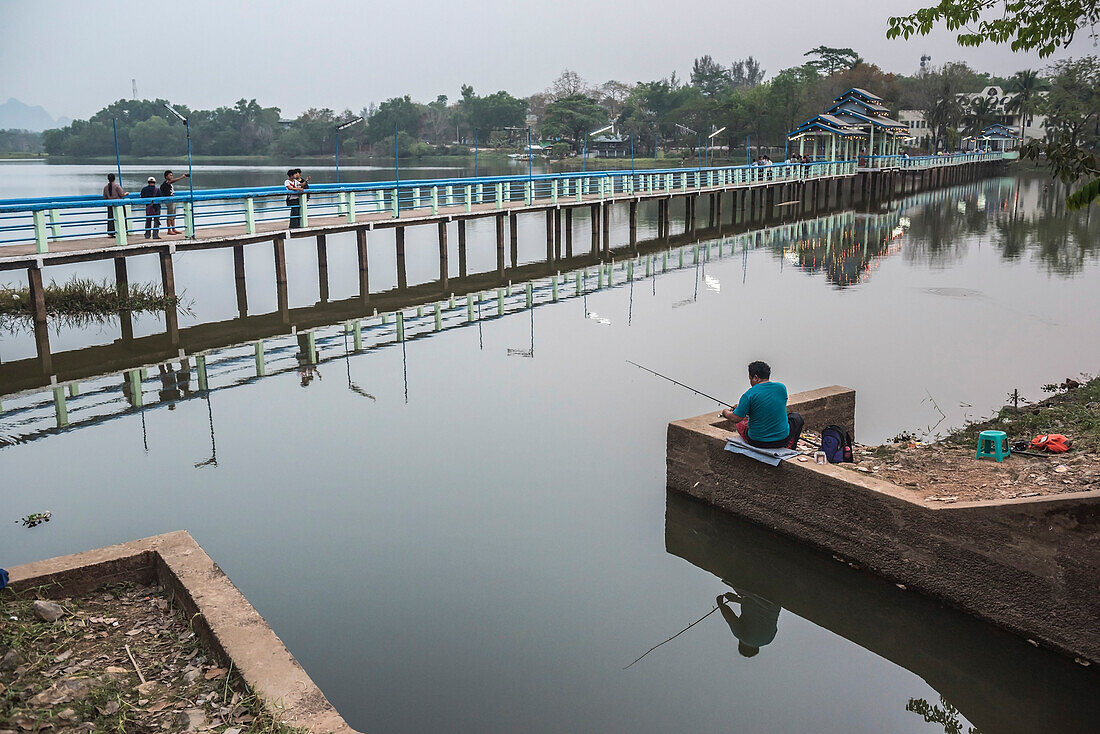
[
  {"x": 345, "y": 125},
  {"x": 698, "y": 143},
  {"x": 190, "y": 178},
  {"x": 711, "y": 137},
  {"x": 586, "y": 137}
]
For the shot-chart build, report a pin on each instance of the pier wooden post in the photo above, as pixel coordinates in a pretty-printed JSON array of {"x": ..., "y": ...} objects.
[
  {"x": 569, "y": 232},
  {"x": 364, "y": 270},
  {"x": 718, "y": 209},
  {"x": 444, "y": 268},
  {"x": 462, "y": 248},
  {"x": 595, "y": 221},
  {"x": 239, "y": 280},
  {"x": 557, "y": 233},
  {"x": 122, "y": 288},
  {"x": 634, "y": 223},
  {"x": 513, "y": 238},
  {"x": 41, "y": 328},
  {"x": 689, "y": 213},
  {"x": 322, "y": 268},
  {"x": 712, "y": 207},
  {"x": 279, "y": 245},
  {"x": 402, "y": 276},
  {"x": 500, "y": 245},
  {"x": 549, "y": 235},
  {"x": 168, "y": 283},
  {"x": 606, "y": 216}
]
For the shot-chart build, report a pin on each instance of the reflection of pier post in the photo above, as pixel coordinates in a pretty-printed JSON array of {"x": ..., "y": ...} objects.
[
  {"x": 594, "y": 217},
  {"x": 168, "y": 283},
  {"x": 462, "y": 248},
  {"x": 322, "y": 268},
  {"x": 444, "y": 268},
  {"x": 402, "y": 276},
  {"x": 122, "y": 288},
  {"x": 718, "y": 210},
  {"x": 280, "y": 278},
  {"x": 238, "y": 277},
  {"x": 364, "y": 275}
]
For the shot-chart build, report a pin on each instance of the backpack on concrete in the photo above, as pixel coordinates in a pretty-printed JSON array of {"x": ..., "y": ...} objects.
[{"x": 837, "y": 444}]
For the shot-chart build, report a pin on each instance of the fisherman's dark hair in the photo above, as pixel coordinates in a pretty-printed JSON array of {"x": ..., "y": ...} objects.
[
  {"x": 760, "y": 369},
  {"x": 747, "y": 650},
  {"x": 291, "y": 172},
  {"x": 110, "y": 177},
  {"x": 167, "y": 173}
]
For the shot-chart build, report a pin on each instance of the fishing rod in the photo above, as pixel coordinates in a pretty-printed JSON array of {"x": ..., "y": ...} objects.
[{"x": 686, "y": 387}]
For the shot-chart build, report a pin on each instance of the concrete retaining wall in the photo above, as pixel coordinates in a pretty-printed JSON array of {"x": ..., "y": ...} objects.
[
  {"x": 1030, "y": 565},
  {"x": 228, "y": 624}
]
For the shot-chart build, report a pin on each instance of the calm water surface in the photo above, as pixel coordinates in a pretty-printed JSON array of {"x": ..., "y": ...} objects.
[{"x": 469, "y": 532}]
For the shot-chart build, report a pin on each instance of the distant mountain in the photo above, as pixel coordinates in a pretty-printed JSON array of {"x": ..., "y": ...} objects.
[{"x": 14, "y": 115}]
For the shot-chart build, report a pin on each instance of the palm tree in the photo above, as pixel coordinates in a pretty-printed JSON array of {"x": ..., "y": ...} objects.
[
  {"x": 1027, "y": 86},
  {"x": 982, "y": 114}
]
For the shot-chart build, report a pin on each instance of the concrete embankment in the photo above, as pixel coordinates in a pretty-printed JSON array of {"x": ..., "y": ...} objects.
[{"x": 1029, "y": 565}]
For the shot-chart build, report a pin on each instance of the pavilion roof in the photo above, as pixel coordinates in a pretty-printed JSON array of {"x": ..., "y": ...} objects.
[
  {"x": 857, "y": 92},
  {"x": 876, "y": 121},
  {"x": 827, "y": 124}
]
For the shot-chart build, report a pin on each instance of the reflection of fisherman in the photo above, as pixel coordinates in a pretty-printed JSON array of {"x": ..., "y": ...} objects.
[
  {"x": 169, "y": 390},
  {"x": 307, "y": 361},
  {"x": 756, "y": 625}
]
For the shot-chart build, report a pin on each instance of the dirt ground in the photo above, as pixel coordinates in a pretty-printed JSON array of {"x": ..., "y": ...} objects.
[
  {"x": 947, "y": 471},
  {"x": 80, "y": 673}
]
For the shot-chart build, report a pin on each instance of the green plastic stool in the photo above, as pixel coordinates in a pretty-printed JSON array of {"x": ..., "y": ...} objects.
[{"x": 993, "y": 445}]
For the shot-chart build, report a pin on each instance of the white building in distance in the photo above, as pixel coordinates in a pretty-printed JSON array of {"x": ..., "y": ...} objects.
[{"x": 1031, "y": 126}]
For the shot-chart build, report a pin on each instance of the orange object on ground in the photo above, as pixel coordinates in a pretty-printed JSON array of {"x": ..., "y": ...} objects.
[{"x": 1055, "y": 443}]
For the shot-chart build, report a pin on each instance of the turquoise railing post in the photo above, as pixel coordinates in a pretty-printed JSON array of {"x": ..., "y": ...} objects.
[
  {"x": 357, "y": 335},
  {"x": 450, "y": 195},
  {"x": 73, "y": 388},
  {"x": 189, "y": 220},
  {"x": 469, "y": 306},
  {"x": 41, "y": 240},
  {"x": 500, "y": 301},
  {"x": 480, "y": 194},
  {"x": 400, "y": 316},
  {"x": 200, "y": 368},
  {"x": 396, "y": 205},
  {"x": 55, "y": 223},
  {"x": 508, "y": 191},
  {"x": 249, "y": 216},
  {"x": 500, "y": 195},
  {"x": 351, "y": 207},
  {"x": 554, "y": 191},
  {"x": 261, "y": 368},
  {"x": 577, "y": 188},
  {"x": 416, "y": 197},
  {"x": 530, "y": 294},
  {"x": 528, "y": 193},
  {"x": 554, "y": 287},
  {"x": 438, "y": 317},
  {"x": 435, "y": 200},
  {"x": 134, "y": 378},
  {"x": 303, "y": 211},
  {"x": 341, "y": 203},
  {"x": 469, "y": 198},
  {"x": 119, "y": 212}
]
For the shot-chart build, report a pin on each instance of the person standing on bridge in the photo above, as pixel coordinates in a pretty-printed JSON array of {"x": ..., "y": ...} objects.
[
  {"x": 294, "y": 188},
  {"x": 152, "y": 209},
  {"x": 112, "y": 191},
  {"x": 167, "y": 189}
]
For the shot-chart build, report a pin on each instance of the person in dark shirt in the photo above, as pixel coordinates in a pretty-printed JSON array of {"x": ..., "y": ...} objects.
[
  {"x": 152, "y": 209},
  {"x": 112, "y": 191},
  {"x": 167, "y": 189}
]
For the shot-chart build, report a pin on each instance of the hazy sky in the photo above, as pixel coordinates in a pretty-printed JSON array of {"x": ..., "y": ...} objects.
[{"x": 75, "y": 57}]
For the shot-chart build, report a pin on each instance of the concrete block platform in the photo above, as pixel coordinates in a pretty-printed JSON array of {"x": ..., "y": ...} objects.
[{"x": 1030, "y": 566}]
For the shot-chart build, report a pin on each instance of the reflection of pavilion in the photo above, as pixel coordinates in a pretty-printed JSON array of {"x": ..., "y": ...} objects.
[{"x": 999, "y": 682}]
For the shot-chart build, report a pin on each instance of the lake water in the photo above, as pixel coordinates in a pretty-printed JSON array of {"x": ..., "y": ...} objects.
[{"x": 469, "y": 531}]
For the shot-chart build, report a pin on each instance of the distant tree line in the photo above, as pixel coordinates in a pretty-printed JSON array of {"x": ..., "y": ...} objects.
[
  {"x": 738, "y": 96},
  {"x": 20, "y": 141}
]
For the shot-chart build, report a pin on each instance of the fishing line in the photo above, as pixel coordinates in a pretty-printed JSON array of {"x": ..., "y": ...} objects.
[{"x": 670, "y": 639}]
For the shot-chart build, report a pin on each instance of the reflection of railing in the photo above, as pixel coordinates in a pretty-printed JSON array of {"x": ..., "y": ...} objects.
[
  {"x": 246, "y": 210},
  {"x": 920, "y": 162},
  {"x": 34, "y": 413}
]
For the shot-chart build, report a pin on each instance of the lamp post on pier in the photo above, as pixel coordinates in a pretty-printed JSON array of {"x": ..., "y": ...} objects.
[
  {"x": 711, "y": 137},
  {"x": 343, "y": 126},
  {"x": 698, "y": 142},
  {"x": 190, "y": 177},
  {"x": 586, "y": 137}
]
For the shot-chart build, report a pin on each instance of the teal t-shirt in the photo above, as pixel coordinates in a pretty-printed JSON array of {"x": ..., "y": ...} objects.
[{"x": 765, "y": 405}]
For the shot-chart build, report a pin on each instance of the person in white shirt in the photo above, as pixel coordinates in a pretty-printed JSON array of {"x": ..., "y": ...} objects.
[{"x": 294, "y": 189}]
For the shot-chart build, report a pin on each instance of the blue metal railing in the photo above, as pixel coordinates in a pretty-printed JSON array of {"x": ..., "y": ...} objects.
[
  {"x": 40, "y": 221},
  {"x": 926, "y": 161}
]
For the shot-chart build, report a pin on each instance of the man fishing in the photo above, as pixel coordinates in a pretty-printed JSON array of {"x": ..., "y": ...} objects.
[{"x": 761, "y": 413}]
